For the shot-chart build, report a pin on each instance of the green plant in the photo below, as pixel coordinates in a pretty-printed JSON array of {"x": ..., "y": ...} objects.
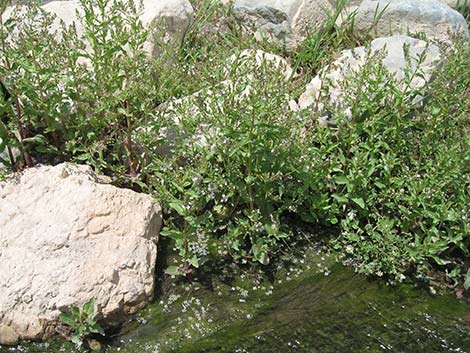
[
  {"x": 321, "y": 45},
  {"x": 82, "y": 321},
  {"x": 235, "y": 171},
  {"x": 29, "y": 72},
  {"x": 210, "y": 134},
  {"x": 402, "y": 180}
]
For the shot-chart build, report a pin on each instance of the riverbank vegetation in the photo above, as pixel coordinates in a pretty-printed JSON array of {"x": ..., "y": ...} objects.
[{"x": 211, "y": 135}]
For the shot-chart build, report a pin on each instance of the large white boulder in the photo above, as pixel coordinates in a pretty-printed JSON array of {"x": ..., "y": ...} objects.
[
  {"x": 328, "y": 86},
  {"x": 282, "y": 21},
  {"x": 388, "y": 17},
  {"x": 65, "y": 238}
]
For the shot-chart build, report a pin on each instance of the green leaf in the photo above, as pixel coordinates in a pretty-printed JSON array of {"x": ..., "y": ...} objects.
[
  {"x": 340, "y": 198},
  {"x": 89, "y": 308},
  {"x": 90, "y": 320},
  {"x": 178, "y": 207},
  {"x": 68, "y": 320},
  {"x": 3, "y": 131},
  {"x": 38, "y": 140},
  {"x": 380, "y": 185},
  {"x": 122, "y": 111},
  {"x": 439, "y": 261},
  {"x": 194, "y": 261},
  {"x": 466, "y": 283},
  {"x": 96, "y": 328},
  {"x": 263, "y": 258},
  {"x": 77, "y": 339},
  {"x": 333, "y": 220},
  {"x": 342, "y": 180},
  {"x": 249, "y": 180},
  {"x": 75, "y": 311},
  {"x": 436, "y": 109},
  {"x": 173, "y": 234},
  {"x": 359, "y": 202},
  {"x": 173, "y": 271}
]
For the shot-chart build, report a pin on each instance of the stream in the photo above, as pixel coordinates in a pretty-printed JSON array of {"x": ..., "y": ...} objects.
[{"x": 308, "y": 303}]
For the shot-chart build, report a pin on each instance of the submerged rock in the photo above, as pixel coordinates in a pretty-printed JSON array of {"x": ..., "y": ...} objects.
[
  {"x": 65, "y": 238},
  {"x": 432, "y": 17},
  {"x": 397, "y": 54}
]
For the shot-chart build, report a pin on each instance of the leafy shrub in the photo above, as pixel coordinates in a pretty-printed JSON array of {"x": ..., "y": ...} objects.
[
  {"x": 236, "y": 170},
  {"x": 82, "y": 321},
  {"x": 403, "y": 176}
]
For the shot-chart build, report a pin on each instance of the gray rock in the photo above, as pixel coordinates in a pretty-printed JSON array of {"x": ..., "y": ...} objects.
[
  {"x": 4, "y": 156},
  {"x": 431, "y": 17},
  {"x": 328, "y": 85},
  {"x": 282, "y": 21},
  {"x": 65, "y": 238}
]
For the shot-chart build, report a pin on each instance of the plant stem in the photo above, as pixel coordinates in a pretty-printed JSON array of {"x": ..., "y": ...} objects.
[
  {"x": 27, "y": 157},
  {"x": 130, "y": 152},
  {"x": 249, "y": 165},
  {"x": 10, "y": 156}
]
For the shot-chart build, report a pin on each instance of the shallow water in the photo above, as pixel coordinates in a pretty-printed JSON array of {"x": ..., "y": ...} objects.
[{"x": 314, "y": 306}]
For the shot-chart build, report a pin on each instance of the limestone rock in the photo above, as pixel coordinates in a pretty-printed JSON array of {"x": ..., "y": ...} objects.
[
  {"x": 282, "y": 20},
  {"x": 175, "y": 16},
  {"x": 431, "y": 17},
  {"x": 391, "y": 52},
  {"x": 66, "y": 238}
]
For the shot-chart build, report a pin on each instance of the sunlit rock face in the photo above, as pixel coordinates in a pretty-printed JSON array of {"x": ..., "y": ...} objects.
[
  {"x": 433, "y": 18},
  {"x": 67, "y": 237}
]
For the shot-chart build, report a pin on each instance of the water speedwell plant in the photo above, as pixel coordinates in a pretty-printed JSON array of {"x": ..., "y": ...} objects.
[
  {"x": 217, "y": 143},
  {"x": 82, "y": 321}
]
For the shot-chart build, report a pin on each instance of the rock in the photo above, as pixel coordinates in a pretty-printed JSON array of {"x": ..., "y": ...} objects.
[
  {"x": 173, "y": 17},
  {"x": 8, "y": 335},
  {"x": 249, "y": 59},
  {"x": 65, "y": 238},
  {"x": 4, "y": 157},
  {"x": 282, "y": 21},
  {"x": 328, "y": 85},
  {"x": 431, "y": 17}
]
